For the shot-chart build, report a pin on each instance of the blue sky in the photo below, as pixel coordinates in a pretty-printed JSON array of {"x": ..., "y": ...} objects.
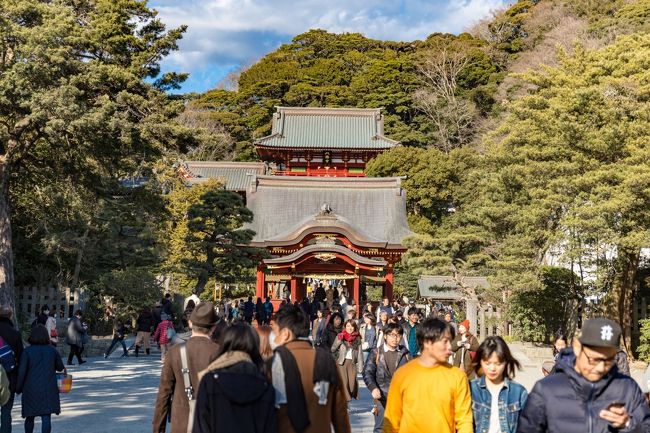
[{"x": 224, "y": 35}]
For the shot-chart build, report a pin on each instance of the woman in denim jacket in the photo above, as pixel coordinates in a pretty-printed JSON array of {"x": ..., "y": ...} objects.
[{"x": 497, "y": 400}]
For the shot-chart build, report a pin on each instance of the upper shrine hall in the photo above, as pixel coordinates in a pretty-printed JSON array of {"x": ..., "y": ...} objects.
[{"x": 320, "y": 218}]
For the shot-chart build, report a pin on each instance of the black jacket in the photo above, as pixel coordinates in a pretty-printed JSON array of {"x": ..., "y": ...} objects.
[
  {"x": 15, "y": 340},
  {"x": 144, "y": 322},
  {"x": 235, "y": 399},
  {"x": 329, "y": 335},
  {"x": 376, "y": 374},
  {"x": 566, "y": 402}
]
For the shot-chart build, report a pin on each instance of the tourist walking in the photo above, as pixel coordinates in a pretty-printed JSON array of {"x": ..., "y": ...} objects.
[
  {"x": 12, "y": 337},
  {"x": 200, "y": 351},
  {"x": 234, "y": 395},
  {"x": 318, "y": 327},
  {"x": 260, "y": 312},
  {"x": 50, "y": 325},
  {"x": 268, "y": 310},
  {"x": 164, "y": 335},
  {"x": 249, "y": 310},
  {"x": 410, "y": 331},
  {"x": 428, "y": 395},
  {"x": 368, "y": 334},
  {"x": 380, "y": 367},
  {"x": 349, "y": 358},
  {"x": 590, "y": 395},
  {"x": 332, "y": 330},
  {"x": 465, "y": 346},
  {"x": 143, "y": 325},
  {"x": 306, "y": 377},
  {"x": 497, "y": 400},
  {"x": 37, "y": 380},
  {"x": 119, "y": 332},
  {"x": 75, "y": 337}
]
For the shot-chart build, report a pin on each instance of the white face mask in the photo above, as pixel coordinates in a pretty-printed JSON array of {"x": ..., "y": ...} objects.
[{"x": 272, "y": 342}]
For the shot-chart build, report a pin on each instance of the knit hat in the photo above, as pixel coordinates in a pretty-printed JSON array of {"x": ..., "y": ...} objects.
[
  {"x": 204, "y": 315},
  {"x": 465, "y": 323}
]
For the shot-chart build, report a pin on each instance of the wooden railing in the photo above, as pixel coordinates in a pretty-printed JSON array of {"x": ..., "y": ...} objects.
[{"x": 323, "y": 172}]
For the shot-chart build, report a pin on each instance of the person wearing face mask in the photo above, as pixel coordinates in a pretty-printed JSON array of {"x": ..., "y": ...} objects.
[
  {"x": 589, "y": 395},
  {"x": 305, "y": 376},
  {"x": 427, "y": 395},
  {"x": 497, "y": 400}
]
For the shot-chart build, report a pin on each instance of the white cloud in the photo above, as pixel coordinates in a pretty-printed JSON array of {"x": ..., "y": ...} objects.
[{"x": 230, "y": 32}]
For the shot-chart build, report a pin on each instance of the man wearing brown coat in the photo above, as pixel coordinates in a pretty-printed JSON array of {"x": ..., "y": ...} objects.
[
  {"x": 201, "y": 351},
  {"x": 307, "y": 377}
]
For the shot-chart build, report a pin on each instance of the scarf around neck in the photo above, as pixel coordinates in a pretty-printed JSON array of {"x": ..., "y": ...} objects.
[{"x": 345, "y": 335}]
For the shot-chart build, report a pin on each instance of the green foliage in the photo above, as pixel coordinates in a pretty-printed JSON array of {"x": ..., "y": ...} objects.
[
  {"x": 644, "y": 348},
  {"x": 207, "y": 239},
  {"x": 538, "y": 315}
]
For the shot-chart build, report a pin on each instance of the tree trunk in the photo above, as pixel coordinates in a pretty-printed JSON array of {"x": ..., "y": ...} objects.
[
  {"x": 80, "y": 253},
  {"x": 623, "y": 293},
  {"x": 204, "y": 275},
  {"x": 6, "y": 251}
]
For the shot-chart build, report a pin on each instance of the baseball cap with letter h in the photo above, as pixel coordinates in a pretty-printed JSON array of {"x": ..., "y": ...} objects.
[{"x": 600, "y": 332}]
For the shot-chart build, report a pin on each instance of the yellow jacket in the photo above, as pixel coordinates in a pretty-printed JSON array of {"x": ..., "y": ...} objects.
[{"x": 428, "y": 400}]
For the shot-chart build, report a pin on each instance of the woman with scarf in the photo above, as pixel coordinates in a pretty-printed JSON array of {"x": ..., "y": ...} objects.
[{"x": 349, "y": 358}]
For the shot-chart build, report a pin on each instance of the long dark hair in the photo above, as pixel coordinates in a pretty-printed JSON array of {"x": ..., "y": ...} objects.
[
  {"x": 498, "y": 346},
  {"x": 241, "y": 337}
]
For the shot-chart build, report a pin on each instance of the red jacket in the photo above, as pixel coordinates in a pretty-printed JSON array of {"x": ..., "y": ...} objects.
[{"x": 161, "y": 332}]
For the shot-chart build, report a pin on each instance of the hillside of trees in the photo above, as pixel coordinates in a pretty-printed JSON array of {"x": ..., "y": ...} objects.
[{"x": 524, "y": 143}]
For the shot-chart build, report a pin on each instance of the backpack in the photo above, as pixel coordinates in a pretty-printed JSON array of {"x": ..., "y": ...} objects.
[{"x": 7, "y": 356}]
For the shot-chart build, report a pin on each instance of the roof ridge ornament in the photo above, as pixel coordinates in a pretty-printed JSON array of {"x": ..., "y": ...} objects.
[{"x": 325, "y": 209}]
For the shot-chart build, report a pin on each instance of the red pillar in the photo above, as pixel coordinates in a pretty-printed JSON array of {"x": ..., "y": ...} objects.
[
  {"x": 294, "y": 289},
  {"x": 260, "y": 283},
  {"x": 388, "y": 287},
  {"x": 356, "y": 295}
]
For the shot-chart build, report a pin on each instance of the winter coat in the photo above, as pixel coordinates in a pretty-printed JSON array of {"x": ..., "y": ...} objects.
[
  {"x": 333, "y": 416},
  {"x": 622, "y": 362},
  {"x": 512, "y": 399},
  {"x": 235, "y": 397},
  {"x": 566, "y": 402},
  {"x": 260, "y": 313},
  {"x": 249, "y": 309},
  {"x": 37, "y": 380},
  {"x": 376, "y": 373},
  {"x": 369, "y": 337},
  {"x": 144, "y": 322},
  {"x": 410, "y": 332},
  {"x": 171, "y": 393},
  {"x": 156, "y": 313},
  {"x": 13, "y": 338},
  {"x": 340, "y": 349},
  {"x": 161, "y": 332},
  {"x": 75, "y": 335},
  {"x": 119, "y": 332},
  {"x": 317, "y": 330},
  {"x": 463, "y": 356},
  {"x": 329, "y": 335}
]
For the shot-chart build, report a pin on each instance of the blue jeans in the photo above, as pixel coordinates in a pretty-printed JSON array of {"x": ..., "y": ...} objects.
[
  {"x": 46, "y": 424},
  {"x": 5, "y": 414},
  {"x": 379, "y": 418},
  {"x": 113, "y": 344}
]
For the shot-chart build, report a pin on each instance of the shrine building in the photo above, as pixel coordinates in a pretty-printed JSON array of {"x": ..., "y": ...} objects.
[{"x": 313, "y": 208}]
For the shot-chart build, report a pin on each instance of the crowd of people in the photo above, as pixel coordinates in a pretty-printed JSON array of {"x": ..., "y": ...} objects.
[
  {"x": 425, "y": 374},
  {"x": 296, "y": 370}
]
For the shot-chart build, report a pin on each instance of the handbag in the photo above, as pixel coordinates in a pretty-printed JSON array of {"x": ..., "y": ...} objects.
[
  {"x": 171, "y": 334},
  {"x": 64, "y": 382}
]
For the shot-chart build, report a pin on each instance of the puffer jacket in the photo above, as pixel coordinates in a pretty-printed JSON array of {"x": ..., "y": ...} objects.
[
  {"x": 375, "y": 372},
  {"x": 512, "y": 399},
  {"x": 566, "y": 402}
]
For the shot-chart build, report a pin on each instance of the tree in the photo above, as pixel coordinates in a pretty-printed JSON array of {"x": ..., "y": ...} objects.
[
  {"x": 208, "y": 240},
  {"x": 74, "y": 95}
]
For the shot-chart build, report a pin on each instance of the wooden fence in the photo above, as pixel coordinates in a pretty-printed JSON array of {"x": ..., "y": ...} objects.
[{"x": 63, "y": 301}]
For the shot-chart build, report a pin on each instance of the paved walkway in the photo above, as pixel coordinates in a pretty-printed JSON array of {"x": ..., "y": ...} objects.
[{"x": 117, "y": 396}]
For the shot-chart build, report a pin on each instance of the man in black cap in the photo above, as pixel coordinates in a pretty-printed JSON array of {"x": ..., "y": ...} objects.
[
  {"x": 590, "y": 395},
  {"x": 201, "y": 351}
]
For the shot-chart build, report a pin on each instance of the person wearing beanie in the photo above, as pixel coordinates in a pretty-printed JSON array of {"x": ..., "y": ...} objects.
[
  {"x": 464, "y": 347},
  {"x": 201, "y": 351}
]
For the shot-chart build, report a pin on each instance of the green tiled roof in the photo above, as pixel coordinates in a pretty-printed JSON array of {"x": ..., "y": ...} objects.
[
  {"x": 237, "y": 175},
  {"x": 327, "y": 128}
]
